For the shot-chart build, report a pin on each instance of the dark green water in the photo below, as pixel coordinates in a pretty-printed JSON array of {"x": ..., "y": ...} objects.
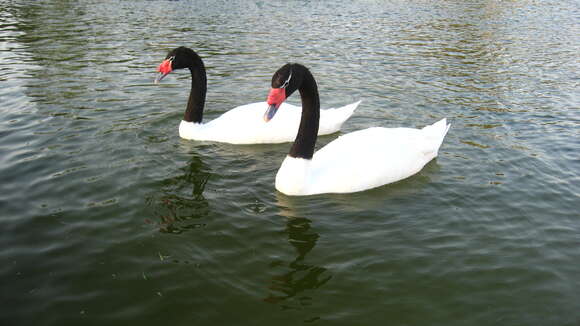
[{"x": 108, "y": 218}]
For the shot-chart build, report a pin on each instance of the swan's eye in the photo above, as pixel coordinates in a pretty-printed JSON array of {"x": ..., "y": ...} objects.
[{"x": 287, "y": 81}]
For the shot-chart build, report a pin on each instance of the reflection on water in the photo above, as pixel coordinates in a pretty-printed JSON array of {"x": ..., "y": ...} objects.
[
  {"x": 301, "y": 276},
  {"x": 89, "y": 149},
  {"x": 290, "y": 288},
  {"x": 181, "y": 203}
]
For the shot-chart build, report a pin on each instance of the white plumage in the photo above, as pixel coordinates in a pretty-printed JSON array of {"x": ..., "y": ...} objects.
[
  {"x": 245, "y": 124},
  {"x": 362, "y": 160}
]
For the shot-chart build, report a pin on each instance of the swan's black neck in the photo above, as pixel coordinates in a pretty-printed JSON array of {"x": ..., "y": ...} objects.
[
  {"x": 196, "y": 102},
  {"x": 303, "y": 146}
]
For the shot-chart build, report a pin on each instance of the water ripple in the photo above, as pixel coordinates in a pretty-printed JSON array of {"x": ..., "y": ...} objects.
[{"x": 107, "y": 215}]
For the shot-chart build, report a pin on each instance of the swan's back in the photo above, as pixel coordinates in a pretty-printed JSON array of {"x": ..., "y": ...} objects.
[
  {"x": 245, "y": 124},
  {"x": 372, "y": 157}
]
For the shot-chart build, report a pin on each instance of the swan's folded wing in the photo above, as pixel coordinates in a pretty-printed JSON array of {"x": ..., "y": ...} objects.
[{"x": 367, "y": 159}]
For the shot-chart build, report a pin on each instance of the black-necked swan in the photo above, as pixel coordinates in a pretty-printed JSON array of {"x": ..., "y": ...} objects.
[
  {"x": 353, "y": 162},
  {"x": 243, "y": 124}
]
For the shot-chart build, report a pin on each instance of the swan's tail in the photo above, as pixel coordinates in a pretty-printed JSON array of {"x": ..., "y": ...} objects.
[
  {"x": 334, "y": 118},
  {"x": 436, "y": 132},
  {"x": 351, "y": 107},
  {"x": 343, "y": 113}
]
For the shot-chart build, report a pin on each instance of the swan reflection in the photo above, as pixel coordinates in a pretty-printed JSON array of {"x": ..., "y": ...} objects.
[
  {"x": 298, "y": 275},
  {"x": 180, "y": 204}
]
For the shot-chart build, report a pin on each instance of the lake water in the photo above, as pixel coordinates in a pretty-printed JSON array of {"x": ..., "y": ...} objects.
[{"x": 109, "y": 218}]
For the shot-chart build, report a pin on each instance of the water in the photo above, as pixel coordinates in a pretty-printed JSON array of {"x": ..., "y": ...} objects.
[{"x": 108, "y": 218}]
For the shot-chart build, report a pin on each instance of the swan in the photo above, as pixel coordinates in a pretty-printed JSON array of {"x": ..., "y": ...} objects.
[
  {"x": 354, "y": 162},
  {"x": 243, "y": 124}
]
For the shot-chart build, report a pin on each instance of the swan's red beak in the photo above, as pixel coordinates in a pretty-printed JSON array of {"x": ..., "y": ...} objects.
[
  {"x": 275, "y": 99},
  {"x": 164, "y": 69}
]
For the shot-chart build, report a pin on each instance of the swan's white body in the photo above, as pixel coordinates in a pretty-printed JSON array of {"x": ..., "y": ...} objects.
[
  {"x": 245, "y": 124},
  {"x": 362, "y": 160}
]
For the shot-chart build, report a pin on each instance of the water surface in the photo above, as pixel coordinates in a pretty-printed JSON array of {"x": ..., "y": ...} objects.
[{"x": 107, "y": 217}]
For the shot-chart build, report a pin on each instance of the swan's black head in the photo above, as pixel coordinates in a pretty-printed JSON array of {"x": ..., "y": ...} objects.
[
  {"x": 178, "y": 58},
  {"x": 285, "y": 82}
]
